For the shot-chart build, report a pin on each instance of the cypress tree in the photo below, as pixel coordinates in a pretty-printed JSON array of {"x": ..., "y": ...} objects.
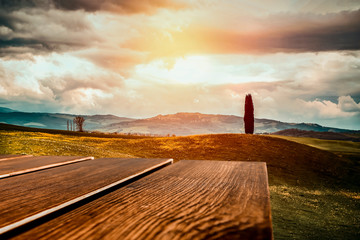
[{"x": 249, "y": 115}]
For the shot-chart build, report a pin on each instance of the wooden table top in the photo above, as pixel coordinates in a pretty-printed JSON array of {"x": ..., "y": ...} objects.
[
  {"x": 25, "y": 195},
  {"x": 12, "y": 156},
  {"x": 186, "y": 200},
  {"x": 21, "y": 165}
]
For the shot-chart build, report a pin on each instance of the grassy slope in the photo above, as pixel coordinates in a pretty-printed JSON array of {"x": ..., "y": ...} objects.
[
  {"x": 348, "y": 148},
  {"x": 314, "y": 193}
]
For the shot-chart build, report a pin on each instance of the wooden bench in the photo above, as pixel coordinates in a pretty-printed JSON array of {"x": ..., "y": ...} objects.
[{"x": 187, "y": 200}]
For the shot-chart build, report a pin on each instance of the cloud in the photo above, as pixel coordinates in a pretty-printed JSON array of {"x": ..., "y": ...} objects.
[
  {"x": 118, "y": 6},
  {"x": 116, "y": 60},
  {"x": 165, "y": 34},
  {"x": 38, "y": 32},
  {"x": 347, "y": 104},
  {"x": 123, "y": 6},
  {"x": 60, "y": 85},
  {"x": 300, "y": 60},
  {"x": 310, "y": 32},
  {"x": 99, "y": 92},
  {"x": 12, "y": 5},
  {"x": 343, "y": 114},
  {"x": 30, "y": 28},
  {"x": 53, "y": 81},
  {"x": 322, "y": 109},
  {"x": 291, "y": 33},
  {"x": 279, "y": 101}
]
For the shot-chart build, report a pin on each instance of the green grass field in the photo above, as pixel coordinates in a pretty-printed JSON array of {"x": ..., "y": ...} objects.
[{"x": 315, "y": 192}]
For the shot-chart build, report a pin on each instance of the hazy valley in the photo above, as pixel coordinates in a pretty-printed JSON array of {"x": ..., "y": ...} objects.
[{"x": 180, "y": 124}]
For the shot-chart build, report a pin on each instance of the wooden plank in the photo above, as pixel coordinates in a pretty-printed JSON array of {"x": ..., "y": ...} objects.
[
  {"x": 32, "y": 196},
  {"x": 20, "y": 166},
  {"x": 4, "y": 157},
  {"x": 188, "y": 200}
]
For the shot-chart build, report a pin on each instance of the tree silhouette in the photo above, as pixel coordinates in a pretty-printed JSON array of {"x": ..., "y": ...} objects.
[
  {"x": 249, "y": 115},
  {"x": 79, "y": 122}
]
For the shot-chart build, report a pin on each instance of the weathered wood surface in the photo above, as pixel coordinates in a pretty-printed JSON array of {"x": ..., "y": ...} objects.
[
  {"x": 23, "y": 165},
  {"x": 23, "y": 196},
  {"x": 4, "y": 157},
  {"x": 187, "y": 200}
]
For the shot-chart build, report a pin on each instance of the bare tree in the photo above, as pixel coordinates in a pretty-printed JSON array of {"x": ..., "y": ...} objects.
[
  {"x": 79, "y": 122},
  {"x": 249, "y": 115}
]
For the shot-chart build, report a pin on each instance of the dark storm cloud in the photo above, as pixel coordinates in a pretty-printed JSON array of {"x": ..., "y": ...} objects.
[
  {"x": 38, "y": 31},
  {"x": 8, "y": 20},
  {"x": 121, "y": 6},
  {"x": 312, "y": 32},
  {"x": 22, "y": 23},
  {"x": 329, "y": 32},
  {"x": 33, "y": 43},
  {"x": 11, "y": 5},
  {"x": 124, "y": 6},
  {"x": 290, "y": 33},
  {"x": 16, "y": 47}
]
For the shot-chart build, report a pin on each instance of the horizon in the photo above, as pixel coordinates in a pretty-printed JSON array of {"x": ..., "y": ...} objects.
[
  {"x": 300, "y": 61},
  {"x": 135, "y": 118}
]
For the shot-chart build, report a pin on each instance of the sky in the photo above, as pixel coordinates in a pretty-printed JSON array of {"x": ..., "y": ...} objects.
[{"x": 300, "y": 60}]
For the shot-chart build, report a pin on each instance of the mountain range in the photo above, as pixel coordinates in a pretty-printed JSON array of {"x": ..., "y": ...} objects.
[{"x": 179, "y": 124}]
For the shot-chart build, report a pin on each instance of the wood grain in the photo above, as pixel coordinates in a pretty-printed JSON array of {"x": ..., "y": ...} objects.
[
  {"x": 30, "y": 164},
  {"x": 29, "y": 194},
  {"x": 10, "y": 157},
  {"x": 187, "y": 200}
]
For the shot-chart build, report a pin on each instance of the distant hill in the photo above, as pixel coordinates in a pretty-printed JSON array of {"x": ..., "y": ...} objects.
[
  {"x": 347, "y": 136},
  {"x": 6, "y": 110},
  {"x": 197, "y": 123},
  {"x": 56, "y": 120},
  {"x": 179, "y": 124}
]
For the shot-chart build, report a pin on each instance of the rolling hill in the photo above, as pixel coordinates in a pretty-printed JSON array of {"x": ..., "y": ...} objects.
[
  {"x": 180, "y": 124},
  {"x": 314, "y": 193},
  {"x": 344, "y": 136}
]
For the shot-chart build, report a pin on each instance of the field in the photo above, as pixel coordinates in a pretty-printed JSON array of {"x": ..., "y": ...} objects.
[
  {"x": 347, "y": 148},
  {"x": 314, "y": 190}
]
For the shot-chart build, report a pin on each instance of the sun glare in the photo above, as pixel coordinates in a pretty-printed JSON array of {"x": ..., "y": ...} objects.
[{"x": 204, "y": 69}]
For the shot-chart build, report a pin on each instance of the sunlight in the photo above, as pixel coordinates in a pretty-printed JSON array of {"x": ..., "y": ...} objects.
[
  {"x": 204, "y": 69},
  {"x": 188, "y": 70}
]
